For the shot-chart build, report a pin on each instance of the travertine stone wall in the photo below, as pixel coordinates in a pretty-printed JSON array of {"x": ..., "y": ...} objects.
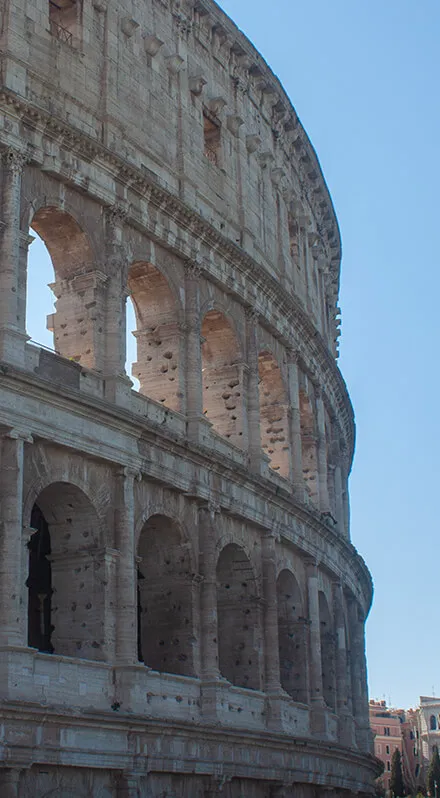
[{"x": 181, "y": 610}]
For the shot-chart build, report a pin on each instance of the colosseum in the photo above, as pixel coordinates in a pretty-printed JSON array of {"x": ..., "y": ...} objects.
[{"x": 182, "y": 610}]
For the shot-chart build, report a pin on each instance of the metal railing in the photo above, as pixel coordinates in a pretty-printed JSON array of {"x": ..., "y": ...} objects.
[{"x": 62, "y": 34}]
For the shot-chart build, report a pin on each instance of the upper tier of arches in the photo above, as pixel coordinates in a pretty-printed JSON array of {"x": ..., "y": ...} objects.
[{"x": 219, "y": 131}]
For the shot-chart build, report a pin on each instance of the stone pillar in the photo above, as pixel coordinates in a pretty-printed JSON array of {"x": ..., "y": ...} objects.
[
  {"x": 193, "y": 351},
  {"x": 126, "y": 580},
  {"x": 79, "y": 321},
  {"x": 359, "y": 675},
  {"x": 295, "y": 425},
  {"x": 9, "y": 782},
  {"x": 316, "y": 693},
  {"x": 271, "y": 648},
  {"x": 324, "y": 503},
  {"x": 25, "y": 242},
  {"x": 12, "y": 331},
  {"x": 115, "y": 318},
  {"x": 208, "y": 597},
  {"x": 253, "y": 393},
  {"x": 339, "y": 502},
  {"x": 12, "y": 610},
  {"x": 343, "y": 706}
]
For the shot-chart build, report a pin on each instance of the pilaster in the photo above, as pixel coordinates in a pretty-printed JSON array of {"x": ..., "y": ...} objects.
[
  {"x": 193, "y": 351},
  {"x": 253, "y": 395},
  {"x": 13, "y": 610},
  {"x": 295, "y": 425},
  {"x": 324, "y": 502},
  {"x": 126, "y": 580},
  {"x": 9, "y": 782},
  {"x": 317, "y": 709},
  {"x": 344, "y": 708},
  {"x": 12, "y": 322}
]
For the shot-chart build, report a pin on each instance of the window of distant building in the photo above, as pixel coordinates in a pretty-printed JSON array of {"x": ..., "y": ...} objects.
[
  {"x": 386, "y": 731},
  {"x": 417, "y": 770},
  {"x": 63, "y": 19},
  {"x": 411, "y": 735},
  {"x": 433, "y": 723},
  {"x": 212, "y": 138},
  {"x": 387, "y": 748},
  {"x": 388, "y": 765}
]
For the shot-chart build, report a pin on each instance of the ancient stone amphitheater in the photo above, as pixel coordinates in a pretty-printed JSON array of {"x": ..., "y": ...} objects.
[{"x": 182, "y": 612}]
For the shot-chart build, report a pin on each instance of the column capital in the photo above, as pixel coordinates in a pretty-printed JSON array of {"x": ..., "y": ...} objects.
[
  {"x": 14, "y": 159},
  {"x": 293, "y": 355},
  {"x": 312, "y": 565},
  {"x": 193, "y": 267},
  {"x": 16, "y": 434},
  {"x": 252, "y": 315},
  {"x": 116, "y": 215},
  {"x": 127, "y": 472},
  {"x": 211, "y": 507}
]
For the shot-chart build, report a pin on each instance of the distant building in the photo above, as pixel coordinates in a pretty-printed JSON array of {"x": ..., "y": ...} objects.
[
  {"x": 429, "y": 728},
  {"x": 386, "y": 727},
  {"x": 416, "y": 732}
]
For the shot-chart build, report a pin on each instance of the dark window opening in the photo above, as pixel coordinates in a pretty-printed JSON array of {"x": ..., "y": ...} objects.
[
  {"x": 433, "y": 723},
  {"x": 39, "y": 584},
  {"x": 212, "y": 138},
  {"x": 63, "y": 19}
]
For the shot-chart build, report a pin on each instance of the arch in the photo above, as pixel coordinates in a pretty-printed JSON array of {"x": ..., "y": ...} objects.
[
  {"x": 274, "y": 418},
  {"x": 328, "y": 653},
  {"x": 165, "y": 598},
  {"x": 433, "y": 723},
  {"x": 309, "y": 446},
  {"x": 158, "y": 366},
  {"x": 238, "y": 618},
  {"x": 77, "y": 323},
  {"x": 222, "y": 377},
  {"x": 66, "y": 590},
  {"x": 292, "y": 637}
]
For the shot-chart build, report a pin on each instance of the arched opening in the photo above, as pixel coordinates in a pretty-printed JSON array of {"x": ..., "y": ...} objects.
[
  {"x": 328, "y": 652},
  {"x": 78, "y": 321},
  {"x": 165, "y": 598},
  {"x": 274, "y": 420},
  {"x": 157, "y": 334},
  {"x": 433, "y": 723},
  {"x": 39, "y": 584},
  {"x": 130, "y": 343},
  {"x": 309, "y": 447},
  {"x": 222, "y": 377},
  {"x": 238, "y": 619},
  {"x": 65, "y": 582},
  {"x": 40, "y": 299},
  {"x": 291, "y": 637}
]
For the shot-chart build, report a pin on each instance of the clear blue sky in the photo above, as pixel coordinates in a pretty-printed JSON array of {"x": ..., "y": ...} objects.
[{"x": 363, "y": 76}]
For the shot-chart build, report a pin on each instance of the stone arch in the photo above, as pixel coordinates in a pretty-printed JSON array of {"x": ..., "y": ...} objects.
[
  {"x": 274, "y": 417},
  {"x": 66, "y": 574},
  {"x": 328, "y": 652},
  {"x": 222, "y": 376},
  {"x": 292, "y": 637},
  {"x": 239, "y": 619},
  {"x": 166, "y": 597},
  {"x": 309, "y": 446},
  {"x": 78, "y": 321},
  {"x": 158, "y": 335}
]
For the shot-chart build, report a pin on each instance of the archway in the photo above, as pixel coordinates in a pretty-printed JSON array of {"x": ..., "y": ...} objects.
[
  {"x": 274, "y": 421},
  {"x": 328, "y": 653},
  {"x": 309, "y": 447},
  {"x": 238, "y": 619},
  {"x": 66, "y": 588},
  {"x": 222, "y": 377},
  {"x": 291, "y": 637},
  {"x": 157, "y": 335},
  {"x": 39, "y": 299},
  {"x": 165, "y": 598},
  {"x": 78, "y": 321}
]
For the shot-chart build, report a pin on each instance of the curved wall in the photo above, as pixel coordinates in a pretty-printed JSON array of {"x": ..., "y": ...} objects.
[{"x": 182, "y": 609}]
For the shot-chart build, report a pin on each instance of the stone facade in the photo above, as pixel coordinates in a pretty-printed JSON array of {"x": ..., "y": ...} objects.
[{"x": 182, "y": 611}]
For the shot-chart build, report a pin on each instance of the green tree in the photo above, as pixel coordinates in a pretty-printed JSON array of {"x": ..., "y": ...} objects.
[
  {"x": 434, "y": 773},
  {"x": 397, "y": 786}
]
